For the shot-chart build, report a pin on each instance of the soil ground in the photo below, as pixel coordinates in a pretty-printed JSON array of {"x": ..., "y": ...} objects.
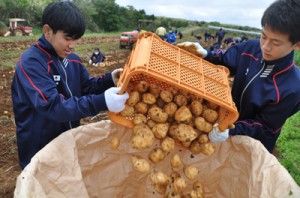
[{"x": 9, "y": 166}]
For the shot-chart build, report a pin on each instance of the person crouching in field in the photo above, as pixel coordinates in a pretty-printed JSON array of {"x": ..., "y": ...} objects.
[{"x": 96, "y": 58}]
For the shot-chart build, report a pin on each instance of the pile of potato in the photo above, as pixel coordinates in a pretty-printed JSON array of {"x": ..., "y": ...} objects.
[{"x": 175, "y": 117}]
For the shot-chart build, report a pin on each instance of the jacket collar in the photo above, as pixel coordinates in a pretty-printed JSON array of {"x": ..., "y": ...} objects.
[
  {"x": 281, "y": 63},
  {"x": 46, "y": 46}
]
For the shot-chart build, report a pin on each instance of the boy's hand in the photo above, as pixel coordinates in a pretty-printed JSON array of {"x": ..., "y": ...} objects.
[
  {"x": 115, "y": 102},
  {"x": 116, "y": 75},
  {"x": 194, "y": 48},
  {"x": 218, "y": 136}
]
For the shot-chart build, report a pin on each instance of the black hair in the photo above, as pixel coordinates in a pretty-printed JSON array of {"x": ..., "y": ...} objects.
[
  {"x": 283, "y": 16},
  {"x": 65, "y": 16}
]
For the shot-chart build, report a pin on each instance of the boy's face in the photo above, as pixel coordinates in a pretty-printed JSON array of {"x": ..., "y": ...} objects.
[
  {"x": 275, "y": 45},
  {"x": 62, "y": 44}
]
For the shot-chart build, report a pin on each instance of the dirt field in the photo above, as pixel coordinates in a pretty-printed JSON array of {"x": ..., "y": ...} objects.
[{"x": 9, "y": 167}]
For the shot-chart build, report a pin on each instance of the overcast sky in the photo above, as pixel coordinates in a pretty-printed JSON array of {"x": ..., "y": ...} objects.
[{"x": 237, "y": 12}]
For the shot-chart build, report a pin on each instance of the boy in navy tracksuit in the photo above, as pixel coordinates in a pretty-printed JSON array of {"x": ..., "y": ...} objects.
[
  {"x": 266, "y": 88},
  {"x": 51, "y": 89}
]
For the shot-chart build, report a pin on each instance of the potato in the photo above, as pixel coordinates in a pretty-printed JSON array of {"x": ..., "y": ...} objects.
[
  {"x": 183, "y": 115},
  {"x": 191, "y": 171},
  {"x": 142, "y": 130},
  {"x": 142, "y": 86},
  {"x": 148, "y": 98},
  {"x": 202, "y": 125},
  {"x": 180, "y": 100},
  {"x": 174, "y": 90},
  {"x": 160, "y": 130},
  {"x": 183, "y": 132},
  {"x": 167, "y": 144},
  {"x": 172, "y": 194},
  {"x": 198, "y": 186},
  {"x": 196, "y": 194},
  {"x": 160, "y": 103},
  {"x": 139, "y": 119},
  {"x": 128, "y": 111},
  {"x": 195, "y": 147},
  {"x": 154, "y": 90},
  {"x": 166, "y": 96},
  {"x": 174, "y": 175},
  {"x": 196, "y": 108},
  {"x": 156, "y": 155},
  {"x": 210, "y": 115},
  {"x": 207, "y": 127},
  {"x": 115, "y": 142},
  {"x": 160, "y": 188},
  {"x": 160, "y": 178},
  {"x": 186, "y": 144},
  {"x": 176, "y": 161},
  {"x": 141, "y": 107},
  {"x": 170, "y": 108},
  {"x": 151, "y": 123},
  {"x": 139, "y": 142},
  {"x": 179, "y": 185},
  {"x": 134, "y": 97},
  {"x": 212, "y": 105},
  {"x": 140, "y": 164},
  {"x": 157, "y": 115},
  {"x": 203, "y": 138},
  {"x": 142, "y": 137},
  {"x": 207, "y": 148}
]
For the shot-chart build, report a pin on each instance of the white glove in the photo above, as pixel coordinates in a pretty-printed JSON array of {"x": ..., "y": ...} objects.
[
  {"x": 218, "y": 136},
  {"x": 115, "y": 74},
  {"x": 194, "y": 48},
  {"x": 90, "y": 62},
  {"x": 115, "y": 102}
]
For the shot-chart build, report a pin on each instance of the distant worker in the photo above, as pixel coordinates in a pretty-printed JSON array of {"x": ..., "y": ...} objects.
[
  {"x": 244, "y": 38},
  {"x": 228, "y": 42},
  {"x": 161, "y": 32},
  {"x": 96, "y": 58},
  {"x": 237, "y": 39},
  {"x": 171, "y": 37},
  {"x": 179, "y": 34},
  {"x": 207, "y": 36},
  {"x": 198, "y": 38},
  {"x": 220, "y": 34}
]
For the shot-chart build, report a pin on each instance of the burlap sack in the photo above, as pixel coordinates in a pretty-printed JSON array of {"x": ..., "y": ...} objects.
[{"x": 80, "y": 163}]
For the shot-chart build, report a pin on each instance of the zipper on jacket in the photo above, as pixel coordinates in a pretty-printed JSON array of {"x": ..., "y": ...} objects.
[
  {"x": 253, "y": 78},
  {"x": 62, "y": 66}
]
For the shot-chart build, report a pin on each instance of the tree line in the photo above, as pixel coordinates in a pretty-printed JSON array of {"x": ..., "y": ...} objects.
[{"x": 100, "y": 15}]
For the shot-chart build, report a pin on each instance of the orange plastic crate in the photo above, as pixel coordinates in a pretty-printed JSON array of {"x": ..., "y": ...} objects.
[{"x": 158, "y": 62}]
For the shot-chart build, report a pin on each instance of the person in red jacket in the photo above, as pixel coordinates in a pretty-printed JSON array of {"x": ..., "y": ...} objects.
[
  {"x": 266, "y": 88},
  {"x": 51, "y": 88}
]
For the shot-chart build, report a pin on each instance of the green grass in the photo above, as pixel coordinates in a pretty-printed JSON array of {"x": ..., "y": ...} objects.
[
  {"x": 297, "y": 58},
  {"x": 288, "y": 146}
]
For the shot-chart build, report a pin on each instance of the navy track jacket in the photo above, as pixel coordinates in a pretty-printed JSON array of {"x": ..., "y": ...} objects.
[
  {"x": 266, "y": 93},
  {"x": 50, "y": 95}
]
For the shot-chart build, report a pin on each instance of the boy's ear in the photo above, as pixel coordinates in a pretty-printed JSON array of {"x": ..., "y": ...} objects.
[
  {"x": 297, "y": 46},
  {"x": 47, "y": 30}
]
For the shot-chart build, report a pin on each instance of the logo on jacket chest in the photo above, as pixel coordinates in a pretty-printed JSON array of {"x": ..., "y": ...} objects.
[{"x": 56, "y": 79}]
